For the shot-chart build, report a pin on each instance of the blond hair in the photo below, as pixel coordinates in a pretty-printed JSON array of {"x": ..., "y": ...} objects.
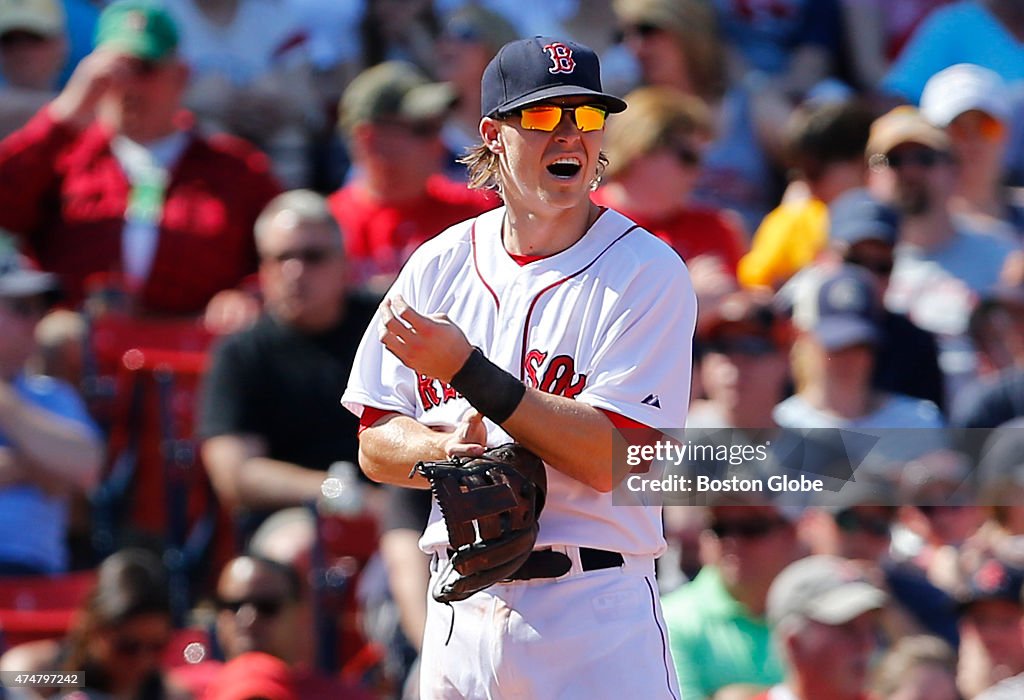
[{"x": 657, "y": 118}]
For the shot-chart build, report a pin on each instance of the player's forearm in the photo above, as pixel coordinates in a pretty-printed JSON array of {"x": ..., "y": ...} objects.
[
  {"x": 571, "y": 436},
  {"x": 389, "y": 450}
]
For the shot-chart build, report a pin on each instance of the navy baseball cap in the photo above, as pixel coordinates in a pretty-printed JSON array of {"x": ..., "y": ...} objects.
[
  {"x": 839, "y": 306},
  {"x": 857, "y": 216},
  {"x": 533, "y": 70},
  {"x": 993, "y": 580}
]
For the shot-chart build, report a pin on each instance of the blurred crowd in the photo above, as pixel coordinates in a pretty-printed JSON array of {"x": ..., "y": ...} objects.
[{"x": 203, "y": 201}]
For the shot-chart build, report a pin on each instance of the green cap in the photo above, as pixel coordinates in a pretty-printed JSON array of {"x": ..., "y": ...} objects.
[
  {"x": 138, "y": 28},
  {"x": 394, "y": 89}
]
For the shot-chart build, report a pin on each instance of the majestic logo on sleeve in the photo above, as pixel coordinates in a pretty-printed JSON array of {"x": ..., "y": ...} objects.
[
  {"x": 561, "y": 57},
  {"x": 652, "y": 400},
  {"x": 559, "y": 377}
]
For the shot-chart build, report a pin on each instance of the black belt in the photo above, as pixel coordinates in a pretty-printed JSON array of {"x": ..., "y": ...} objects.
[{"x": 547, "y": 563}]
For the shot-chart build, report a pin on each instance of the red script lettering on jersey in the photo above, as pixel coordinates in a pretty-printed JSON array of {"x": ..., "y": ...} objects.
[{"x": 560, "y": 377}]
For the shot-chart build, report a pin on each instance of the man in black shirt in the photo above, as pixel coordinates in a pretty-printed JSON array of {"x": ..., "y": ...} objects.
[{"x": 270, "y": 416}]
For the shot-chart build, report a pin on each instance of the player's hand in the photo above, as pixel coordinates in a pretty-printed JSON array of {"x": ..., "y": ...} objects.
[
  {"x": 469, "y": 439},
  {"x": 431, "y": 345},
  {"x": 94, "y": 75}
]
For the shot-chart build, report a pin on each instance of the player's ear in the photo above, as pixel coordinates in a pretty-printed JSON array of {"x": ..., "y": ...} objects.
[{"x": 490, "y": 132}]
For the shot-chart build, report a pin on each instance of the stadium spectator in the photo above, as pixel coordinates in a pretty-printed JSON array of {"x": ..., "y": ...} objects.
[
  {"x": 716, "y": 624},
  {"x": 825, "y": 146},
  {"x": 49, "y": 446},
  {"x": 654, "y": 152},
  {"x": 991, "y": 619},
  {"x": 408, "y": 574},
  {"x": 257, "y": 609},
  {"x": 250, "y": 75},
  {"x": 743, "y": 365},
  {"x": 470, "y": 38},
  {"x": 916, "y": 668},
  {"x": 253, "y": 676},
  {"x": 677, "y": 44},
  {"x": 334, "y": 62},
  {"x": 941, "y": 265},
  {"x": 857, "y": 523},
  {"x": 823, "y": 614},
  {"x": 1000, "y": 474},
  {"x": 983, "y": 32},
  {"x": 529, "y": 17},
  {"x": 875, "y": 32},
  {"x": 862, "y": 232},
  {"x": 940, "y": 516},
  {"x": 33, "y": 49},
  {"x": 392, "y": 118},
  {"x": 119, "y": 637},
  {"x": 1008, "y": 688},
  {"x": 997, "y": 331},
  {"x": 838, "y": 322},
  {"x": 270, "y": 416},
  {"x": 105, "y": 179},
  {"x": 973, "y": 106},
  {"x": 262, "y": 628},
  {"x": 792, "y": 44},
  {"x": 400, "y": 30}
]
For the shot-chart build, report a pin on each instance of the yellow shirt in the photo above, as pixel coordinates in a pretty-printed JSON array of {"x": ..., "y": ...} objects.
[{"x": 789, "y": 237}]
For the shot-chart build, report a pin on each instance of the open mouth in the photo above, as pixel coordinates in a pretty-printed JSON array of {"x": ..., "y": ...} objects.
[{"x": 565, "y": 168}]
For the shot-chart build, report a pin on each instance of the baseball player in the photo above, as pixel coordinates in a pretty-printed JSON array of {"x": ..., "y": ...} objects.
[{"x": 549, "y": 322}]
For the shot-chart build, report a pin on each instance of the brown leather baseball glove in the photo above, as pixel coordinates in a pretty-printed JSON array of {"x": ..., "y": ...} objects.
[{"x": 490, "y": 506}]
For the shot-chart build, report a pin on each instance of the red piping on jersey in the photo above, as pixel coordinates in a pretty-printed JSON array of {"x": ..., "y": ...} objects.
[
  {"x": 476, "y": 265},
  {"x": 533, "y": 304}
]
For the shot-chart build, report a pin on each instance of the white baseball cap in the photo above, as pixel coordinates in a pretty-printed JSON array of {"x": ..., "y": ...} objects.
[
  {"x": 43, "y": 17},
  {"x": 962, "y": 88}
]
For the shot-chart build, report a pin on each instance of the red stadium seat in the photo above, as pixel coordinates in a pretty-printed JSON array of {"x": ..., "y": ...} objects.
[
  {"x": 41, "y": 607},
  {"x": 143, "y": 378},
  {"x": 343, "y": 547}
]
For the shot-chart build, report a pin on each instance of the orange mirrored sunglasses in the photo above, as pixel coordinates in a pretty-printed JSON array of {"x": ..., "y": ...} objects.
[{"x": 548, "y": 117}]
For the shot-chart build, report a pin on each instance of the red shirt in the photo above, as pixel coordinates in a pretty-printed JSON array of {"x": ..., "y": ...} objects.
[
  {"x": 693, "y": 231},
  {"x": 379, "y": 238},
  {"x": 64, "y": 192}
]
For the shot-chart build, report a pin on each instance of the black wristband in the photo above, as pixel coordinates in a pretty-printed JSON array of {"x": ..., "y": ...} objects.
[{"x": 488, "y": 388}]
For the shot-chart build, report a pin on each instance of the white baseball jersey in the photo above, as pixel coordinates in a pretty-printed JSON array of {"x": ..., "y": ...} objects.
[{"x": 609, "y": 322}]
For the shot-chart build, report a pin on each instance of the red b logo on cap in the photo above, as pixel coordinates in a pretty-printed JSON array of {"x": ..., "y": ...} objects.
[{"x": 561, "y": 57}]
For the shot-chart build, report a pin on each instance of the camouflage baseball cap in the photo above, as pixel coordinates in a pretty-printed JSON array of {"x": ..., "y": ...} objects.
[
  {"x": 395, "y": 90},
  {"x": 138, "y": 28},
  {"x": 823, "y": 588}
]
